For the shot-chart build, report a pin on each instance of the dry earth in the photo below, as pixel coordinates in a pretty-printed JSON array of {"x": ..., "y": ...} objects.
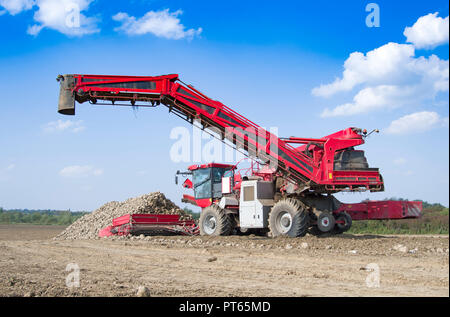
[{"x": 32, "y": 264}]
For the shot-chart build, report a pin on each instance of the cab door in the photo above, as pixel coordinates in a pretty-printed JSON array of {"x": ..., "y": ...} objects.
[{"x": 247, "y": 205}]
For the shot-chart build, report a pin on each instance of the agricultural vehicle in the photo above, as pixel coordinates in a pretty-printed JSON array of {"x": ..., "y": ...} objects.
[{"x": 289, "y": 189}]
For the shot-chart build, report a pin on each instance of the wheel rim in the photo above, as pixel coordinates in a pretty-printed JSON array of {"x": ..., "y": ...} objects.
[
  {"x": 284, "y": 222},
  {"x": 325, "y": 222},
  {"x": 209, "y": 225}
]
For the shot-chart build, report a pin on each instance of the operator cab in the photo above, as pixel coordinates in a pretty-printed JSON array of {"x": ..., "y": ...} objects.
[{"x": 207, "y": 179}]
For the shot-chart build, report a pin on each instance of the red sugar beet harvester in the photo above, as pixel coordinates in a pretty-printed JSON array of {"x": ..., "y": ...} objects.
[{"x": 287, "y": 191}]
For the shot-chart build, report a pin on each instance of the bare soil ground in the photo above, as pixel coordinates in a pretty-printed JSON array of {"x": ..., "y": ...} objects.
[
  {"x": 31, "y": 264},
  {"x": 28, "y": 232}
]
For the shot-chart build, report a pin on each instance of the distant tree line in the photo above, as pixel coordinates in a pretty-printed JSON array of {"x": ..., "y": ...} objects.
[
  {"x": 434, "y": 220},
  {"x": 195, "y": 215},
  {"x": 39, "y": 217}
]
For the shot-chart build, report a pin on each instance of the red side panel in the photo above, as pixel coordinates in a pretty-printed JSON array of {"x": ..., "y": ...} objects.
[
  {"x": 131, "y": 224},
  {"x": 386, "y": 209},
  {"x": 121, "y": 220},
  {"x": 105, "y": 232},
  {"x": 206, "y": 202},
  {"x": 153, "y": 218}
]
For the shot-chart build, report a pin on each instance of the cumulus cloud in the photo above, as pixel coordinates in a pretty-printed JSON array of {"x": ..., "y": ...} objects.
[
  {"x": 429, "y": 31},
  {"x": 374, "y": 98},
  {"x": 77, "y": 171},
  {"x": 64, "y": 16},
  {"x": 64, "y": 125},
  {"x": 374, "y": 67},
  {"x": 159, "y": 23},
  {"x": 416, "y": 122},
  {"x": 390, "y": 76},
  {"x": 14, "y": 7}
]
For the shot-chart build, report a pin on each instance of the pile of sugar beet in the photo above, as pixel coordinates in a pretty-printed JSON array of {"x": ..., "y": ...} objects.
[{"x": 88, "y": 226}]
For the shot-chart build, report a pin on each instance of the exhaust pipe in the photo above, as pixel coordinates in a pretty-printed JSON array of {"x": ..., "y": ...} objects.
[{"x": 66, "y": 104}]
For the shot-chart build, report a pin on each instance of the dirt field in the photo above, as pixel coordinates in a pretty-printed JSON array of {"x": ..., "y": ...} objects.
[
  {"x": 28, "y": 232},
  {"x": 31, "y": 264}
]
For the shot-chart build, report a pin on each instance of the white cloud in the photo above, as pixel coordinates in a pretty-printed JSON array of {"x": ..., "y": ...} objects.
[
  {"x": 77, "y": 171},
  {"x": 416, "y": 122},
  {"x": 429, "y": 31},
  {"x": 14, "y": 7},
  {"x": 64, "y": 16},
  {"x": 399, "y": 161},
  {"x": 374, "y": 67},
  {"x": 67, "y": 125},
  {"x": 5, "y": 171},
  {"x": 391, "y": 76},
  {"x": 373, "y": 98},
  {"x": 160, "y": 23},
  {"x": 61, "y": 15}
]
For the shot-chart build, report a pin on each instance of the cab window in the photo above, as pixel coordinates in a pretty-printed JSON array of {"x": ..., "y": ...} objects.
[{"x": 202, "y": 183}]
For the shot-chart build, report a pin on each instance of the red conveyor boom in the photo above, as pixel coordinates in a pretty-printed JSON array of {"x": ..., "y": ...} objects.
[{"x": 306, "y": 171}]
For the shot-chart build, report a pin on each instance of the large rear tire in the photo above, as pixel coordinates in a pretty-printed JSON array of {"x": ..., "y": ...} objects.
[
  {"x": 288, "y": 217},
  {"x": 215, "y": 222}
]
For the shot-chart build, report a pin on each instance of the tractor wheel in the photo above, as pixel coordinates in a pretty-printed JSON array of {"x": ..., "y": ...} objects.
[
  {"x": 288, "y": 217},
  {"x": 215, "y": 222},
  {"x": 325, "y": 221},
  {"x": 342, "y": 227}
]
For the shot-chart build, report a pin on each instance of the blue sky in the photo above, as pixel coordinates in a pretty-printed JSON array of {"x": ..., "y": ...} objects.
[{"x": 235, "y": 52}]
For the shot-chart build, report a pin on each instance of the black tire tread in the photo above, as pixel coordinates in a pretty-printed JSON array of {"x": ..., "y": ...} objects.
[
  {"x": 224, "y": 224},
  {"x": 338, "y": 230},
  {"x": 300, "y": 219}
]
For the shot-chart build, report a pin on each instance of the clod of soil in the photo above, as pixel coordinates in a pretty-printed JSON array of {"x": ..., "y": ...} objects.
[
  {"x": 88, "y": 226},
  {"x": 143, "y": 292},
  {"x": 212, "y": 259}
]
